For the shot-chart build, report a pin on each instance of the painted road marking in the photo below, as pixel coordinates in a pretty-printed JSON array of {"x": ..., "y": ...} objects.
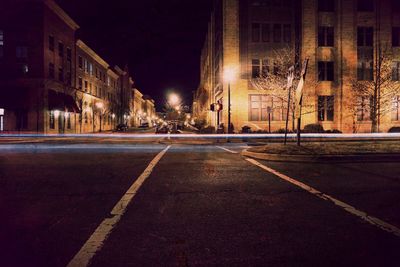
[
  {"x": 361, "y": 214},
  {"x": 230, "y": 151},
  {"x": 100, "y": 235}
]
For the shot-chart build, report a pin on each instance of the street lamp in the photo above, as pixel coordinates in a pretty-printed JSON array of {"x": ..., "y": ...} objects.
[
  {"x": 229, "y": 77},
  {"x": 174, "y": 99}
]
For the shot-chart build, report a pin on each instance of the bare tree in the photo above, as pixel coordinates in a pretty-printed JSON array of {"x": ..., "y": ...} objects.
[{"x": 376, "y": 93}]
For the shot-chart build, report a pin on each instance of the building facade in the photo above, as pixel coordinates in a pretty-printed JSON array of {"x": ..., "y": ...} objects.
[
  {"x": 52, "y": 82},
  {"x": 353, "y": 71}
]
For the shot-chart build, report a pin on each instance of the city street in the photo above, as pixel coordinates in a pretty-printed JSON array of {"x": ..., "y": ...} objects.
[{"x": 160, "y": 202}]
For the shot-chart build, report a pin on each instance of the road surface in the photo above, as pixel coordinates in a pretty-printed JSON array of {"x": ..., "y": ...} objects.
[{"x": 191, "y": 204}]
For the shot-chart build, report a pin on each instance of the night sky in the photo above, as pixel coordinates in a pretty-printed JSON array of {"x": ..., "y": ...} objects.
[{"x": 160, "y": 40}]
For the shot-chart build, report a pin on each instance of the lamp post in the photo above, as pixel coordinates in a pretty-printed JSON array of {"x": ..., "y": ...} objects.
[
  {"x": 100, "y": 106},
  {"x": 229, "y": 76}
]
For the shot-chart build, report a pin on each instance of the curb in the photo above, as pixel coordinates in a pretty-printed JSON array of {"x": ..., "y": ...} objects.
[{"x": 323, "y": 158}]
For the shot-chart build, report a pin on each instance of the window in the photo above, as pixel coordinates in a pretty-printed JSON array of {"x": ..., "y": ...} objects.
[
  {"x": 85, "y": 65},
  {"x": 365, "y": 5},
  {"x": 60, "y": 49},
  {"x": 255, "y": 32},
  {"x": 69, "y": 54},
  {"x": 51, "y": 43},
  {"x": 86, "y": 86},
  {"x": 396, "y": 71},
  {"x": 265, "y": 68},
  {"x": 80, "y": 83},
  {"x": 325, "y": 36},
  {"x": 365, "y": 64},
  {"x": 68, "y": 78},
  {"x": 97, "y": 73},
  {"x": 325, "y": 108},
  {"x": 68, "y": 115},
  {"x": 80, "y": 62},
  {"x": 255, "y": 68},
  {"x": 261, "y": 105},
  {"x": 51, "y": 71},
  {"x": 325, "y": 71},
  {"x": 287, "y": 34},
  {"x": 21, "y": 52},
  {"x": 326, "y": 5},
  {"x": 365, "y": 36},
  {"x": 396, "y": 36},
  {"x": 277, "y": 33},
  {"x": 265, "y": 33},
  {"x": 61, "y": 74},
  {"x": 51, "y": 120},
  {"x": 364, "y": 104},
  {"x": 1, "y": 43},
  {"x": 396, "y": 108},
  {"x": 90, "y": 71}
]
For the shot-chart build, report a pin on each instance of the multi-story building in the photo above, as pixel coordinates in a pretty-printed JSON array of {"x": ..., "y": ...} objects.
[
  {"x": 37, "y": 66},
  {"x": 97, "y": 91},
  {"x": 143, "y": 108},
  {"x": 345, "y": 42},
  {"x": 51, "y": 82}
]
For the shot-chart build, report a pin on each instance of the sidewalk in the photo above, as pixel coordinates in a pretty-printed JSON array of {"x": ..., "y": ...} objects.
[{"x": 332, "y": 151}]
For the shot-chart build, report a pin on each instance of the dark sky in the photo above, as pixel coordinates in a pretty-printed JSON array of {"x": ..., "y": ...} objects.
[{"x": 160, "y": 40}]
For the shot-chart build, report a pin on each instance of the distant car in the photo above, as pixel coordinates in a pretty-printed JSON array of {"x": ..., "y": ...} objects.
[
  {"x": 144, "y": 125},
  {"x": 121, "y": 127}
]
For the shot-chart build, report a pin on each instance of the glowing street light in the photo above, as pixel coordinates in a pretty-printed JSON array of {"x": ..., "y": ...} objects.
[{"x": 174, "y": 99}]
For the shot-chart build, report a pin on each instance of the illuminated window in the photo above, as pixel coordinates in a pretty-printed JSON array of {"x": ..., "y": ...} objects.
[
  {"x": 287, "y": 34},
  {"x": 364, "y": 104},
  {"x": 325, "y": 108},
  {"x": 90, "y": 69},
  {"x": 325, "y": 36},
  {"x": 365, "y": 64},
  {"x": 261, "y": 105},
  {"x": 396, "y": 108},
  {"x": 255, "y": 32},
  {"x": 60, "y": 49},
  {"x": 51, "y": 43},
  {"x": 326, "y": 5},
  {"x": 325, "y": 71},
  {"x": 365, "y": 5},
  {"x": 277, "y": 32},
  {"x": 1, "y": 43},
  {"x": 21, "y": 52},
  {"x": 51, "y": 71}
]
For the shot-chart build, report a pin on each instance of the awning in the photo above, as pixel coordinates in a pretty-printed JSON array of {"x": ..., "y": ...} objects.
[{"x": 62, "y": 102}]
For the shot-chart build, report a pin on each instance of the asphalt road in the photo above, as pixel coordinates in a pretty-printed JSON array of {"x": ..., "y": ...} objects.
[{"x": 203, "y": 204}]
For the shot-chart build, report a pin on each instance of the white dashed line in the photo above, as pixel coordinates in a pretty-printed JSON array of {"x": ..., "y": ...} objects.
[
  {"x": 230, "y": 151},
  {"x": 361, "y": 214},
  {"x": 100, "y": 235}
]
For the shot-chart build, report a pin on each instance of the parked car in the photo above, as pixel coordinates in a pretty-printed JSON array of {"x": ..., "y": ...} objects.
[
  {"x": 121, "y": 127},
  {"x": 144, "y": 125}
]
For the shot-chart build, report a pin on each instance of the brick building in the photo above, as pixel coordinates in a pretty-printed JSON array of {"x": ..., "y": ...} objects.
[
  {"x": 50, "y": 81},
  {"x": 344, "y": 41},
  {"x": 37, "y": 66}
]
